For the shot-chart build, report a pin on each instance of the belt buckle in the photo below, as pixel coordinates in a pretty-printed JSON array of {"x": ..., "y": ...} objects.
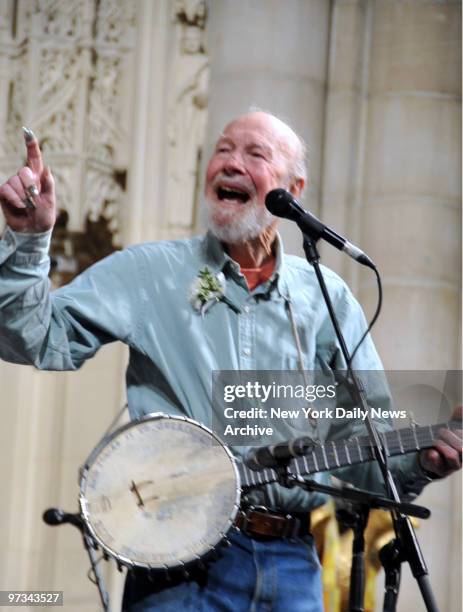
[{"x": 246, "y": 514}]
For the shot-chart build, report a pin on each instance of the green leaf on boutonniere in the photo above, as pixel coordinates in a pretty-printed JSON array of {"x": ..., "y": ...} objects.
[{"x": 207, "y": 289}]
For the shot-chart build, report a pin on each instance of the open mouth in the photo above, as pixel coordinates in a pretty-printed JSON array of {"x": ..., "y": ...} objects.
[{"x": 226, "y": 194}]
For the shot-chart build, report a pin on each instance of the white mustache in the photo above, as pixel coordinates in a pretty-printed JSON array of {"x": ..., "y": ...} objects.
[{"x": 222, "y": 180}]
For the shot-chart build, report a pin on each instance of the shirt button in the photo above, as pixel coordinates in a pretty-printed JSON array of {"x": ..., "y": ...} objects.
[
  {"x": 246, "y": 309},
  {"x": 246, "y": 352}
]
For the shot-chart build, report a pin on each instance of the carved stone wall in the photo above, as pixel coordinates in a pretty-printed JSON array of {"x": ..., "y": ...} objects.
[
  {"x": 64, "y": 67},
  {"x": 187, "y": 111},
  {"x": 111, "y": 88}
]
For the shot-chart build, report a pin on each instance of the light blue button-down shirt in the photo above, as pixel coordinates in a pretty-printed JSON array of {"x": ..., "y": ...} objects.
[{"x": 141, "y": 296}]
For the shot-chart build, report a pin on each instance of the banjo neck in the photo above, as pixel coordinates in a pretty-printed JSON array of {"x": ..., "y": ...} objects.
[{"x": 342, "y": 453}]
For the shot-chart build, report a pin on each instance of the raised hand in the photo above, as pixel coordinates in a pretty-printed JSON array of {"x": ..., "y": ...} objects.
[{"x": 28, "y": 198}]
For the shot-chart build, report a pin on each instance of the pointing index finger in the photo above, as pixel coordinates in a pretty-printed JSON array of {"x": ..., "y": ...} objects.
[{"x": 34, "y": 155}]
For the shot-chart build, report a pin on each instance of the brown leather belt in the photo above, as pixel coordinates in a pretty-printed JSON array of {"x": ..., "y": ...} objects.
[{"x": 264, "y": 524}]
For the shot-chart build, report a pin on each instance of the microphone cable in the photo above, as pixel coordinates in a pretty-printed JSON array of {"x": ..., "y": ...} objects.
[{"x": 374, "y": 318}]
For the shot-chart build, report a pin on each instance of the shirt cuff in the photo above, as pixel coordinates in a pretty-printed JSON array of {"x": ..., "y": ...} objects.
[
  {"x": 32, "y": 247},
  {"x": 426, "y": 474},
  {"x": 30, "y": 243},
  {"x": 414, "y": 478}
]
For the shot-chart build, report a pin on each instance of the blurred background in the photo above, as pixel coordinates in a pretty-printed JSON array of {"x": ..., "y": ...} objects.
[{"x": 127, "y": 98}]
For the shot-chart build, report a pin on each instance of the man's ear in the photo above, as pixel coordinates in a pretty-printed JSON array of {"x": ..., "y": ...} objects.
[{"x": 296, "y": 187}]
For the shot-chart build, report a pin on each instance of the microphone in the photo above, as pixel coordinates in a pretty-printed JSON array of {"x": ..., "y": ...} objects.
[
  {"x": 277, "y": 455},
  {"x": 56, "y": 516},
  {"x": 281, "y": 203}
]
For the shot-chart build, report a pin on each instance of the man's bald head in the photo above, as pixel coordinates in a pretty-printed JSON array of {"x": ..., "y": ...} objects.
[{"x": 289, "y": 143}]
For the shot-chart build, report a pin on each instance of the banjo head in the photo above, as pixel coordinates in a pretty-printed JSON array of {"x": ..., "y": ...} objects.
[{"x": 160, "y": 493}]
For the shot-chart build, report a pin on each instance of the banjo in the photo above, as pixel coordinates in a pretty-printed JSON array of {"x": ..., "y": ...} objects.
[{"x": 163, "y": 491}]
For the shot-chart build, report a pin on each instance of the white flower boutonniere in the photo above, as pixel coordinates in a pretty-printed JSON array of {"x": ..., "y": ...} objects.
[{"x": 207, "y": 289}]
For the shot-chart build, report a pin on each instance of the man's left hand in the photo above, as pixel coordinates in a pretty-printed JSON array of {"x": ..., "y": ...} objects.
[{"x": 444, "y": 457}]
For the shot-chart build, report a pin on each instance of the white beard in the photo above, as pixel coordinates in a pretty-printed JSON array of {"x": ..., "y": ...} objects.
[{"x": 237, "y": 225}]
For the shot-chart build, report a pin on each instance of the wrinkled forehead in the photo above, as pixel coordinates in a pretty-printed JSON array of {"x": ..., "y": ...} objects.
[{"x": 260, "y": 130}]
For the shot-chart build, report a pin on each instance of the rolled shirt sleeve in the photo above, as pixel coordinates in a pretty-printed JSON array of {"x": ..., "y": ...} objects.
[{"x": 59, "y": 330}]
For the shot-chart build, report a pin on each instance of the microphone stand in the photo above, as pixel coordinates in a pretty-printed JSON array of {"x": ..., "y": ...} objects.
[
  {"x": 402, "y": 525},
  {"x": 357, "y": 519},
  {"x": 90, "y": 548},
  {"x": 391, "y": 557},
  {"x": 89, "y": 545},
  {"x": 362, "y": 501}
]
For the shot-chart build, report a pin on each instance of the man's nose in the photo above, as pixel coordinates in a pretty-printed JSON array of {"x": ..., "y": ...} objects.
[{"x": 233, "y": 164}]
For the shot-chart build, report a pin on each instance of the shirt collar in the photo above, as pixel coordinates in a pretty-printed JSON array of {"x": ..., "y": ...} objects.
[{"x": 219, "y": 260}]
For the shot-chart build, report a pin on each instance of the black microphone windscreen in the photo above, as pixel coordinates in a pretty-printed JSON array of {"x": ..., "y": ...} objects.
[
  {"x": 278, "y": 202},
  {"x": 53, "y": 516}
]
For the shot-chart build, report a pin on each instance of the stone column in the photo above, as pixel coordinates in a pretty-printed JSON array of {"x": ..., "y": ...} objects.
[
  {"x": 271, "y": 55},
  {"x": 392, "y": 183},
  {"x": 411, "y": 220},
  {"x": 411, "y": 217}
]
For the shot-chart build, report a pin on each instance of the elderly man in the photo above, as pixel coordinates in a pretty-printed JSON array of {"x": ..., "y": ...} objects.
[{"x": 141, "y": 296}]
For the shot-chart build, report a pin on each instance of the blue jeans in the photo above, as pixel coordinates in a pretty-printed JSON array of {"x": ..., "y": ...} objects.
[{"x": 249, "y": 576}]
